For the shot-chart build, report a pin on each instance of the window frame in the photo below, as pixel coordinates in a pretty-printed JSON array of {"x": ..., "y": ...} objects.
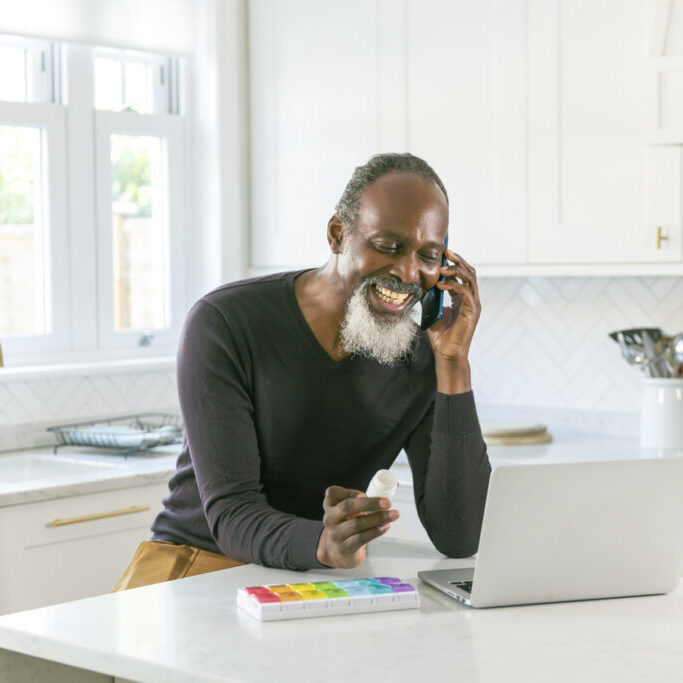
[
  {"x": 164, "y": 95},
  {"x": 51, "y": 119},
  {"x": 155, "y": 125},
  {"x": 78, "y": 203}
]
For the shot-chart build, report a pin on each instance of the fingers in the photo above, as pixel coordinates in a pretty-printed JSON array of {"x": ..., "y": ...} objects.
[
  {"x": 351, "y": 520},
  {"x": 336, "y": 494},
  {"x": 353, "y": 506},
  {"x": 461, "y": 269},
  {"x": 452, "y": 256},
  {"x": 357, "y": 541},
  {"x": 357, "y": 526},
  {"x": 460, "y": 281},
  {"x": 459, "y": 293}
]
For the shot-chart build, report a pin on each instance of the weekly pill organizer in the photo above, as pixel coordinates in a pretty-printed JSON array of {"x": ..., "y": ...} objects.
[{"x": 327, "y": 598}]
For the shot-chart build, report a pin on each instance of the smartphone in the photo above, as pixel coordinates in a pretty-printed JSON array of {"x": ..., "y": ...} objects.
[{"x": 432, "y": 303}]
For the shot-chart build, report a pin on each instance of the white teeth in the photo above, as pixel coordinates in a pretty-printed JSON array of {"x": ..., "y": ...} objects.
[{"x": 390, "y": 296}]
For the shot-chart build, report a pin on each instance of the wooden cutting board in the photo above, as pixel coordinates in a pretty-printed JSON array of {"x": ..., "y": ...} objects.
[{"x": 515, "y": 434}]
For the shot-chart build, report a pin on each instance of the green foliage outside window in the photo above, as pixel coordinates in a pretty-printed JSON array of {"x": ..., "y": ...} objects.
[
  {"x": 17, "y": 161},
  {"x": 131, "y": 172}
]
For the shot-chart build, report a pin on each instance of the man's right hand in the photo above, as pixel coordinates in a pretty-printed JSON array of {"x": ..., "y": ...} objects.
[{"x": 351, "y": 521}]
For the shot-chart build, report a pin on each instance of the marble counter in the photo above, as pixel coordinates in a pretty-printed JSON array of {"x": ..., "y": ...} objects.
[
  {"x": 190, "y": 631},
  {"x": 34, "y": 475},
  {"x": 89, "y": 470},
  {"x": 566, "y": 446}
]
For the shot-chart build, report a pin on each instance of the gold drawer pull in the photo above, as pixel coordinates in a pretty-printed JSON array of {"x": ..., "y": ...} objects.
[
  {"x": 99, "y": 515},
  {"x": 660, "y": 237}
]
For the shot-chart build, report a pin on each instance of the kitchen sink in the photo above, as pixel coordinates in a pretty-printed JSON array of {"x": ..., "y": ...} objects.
[{"x": 15, "y": 469}]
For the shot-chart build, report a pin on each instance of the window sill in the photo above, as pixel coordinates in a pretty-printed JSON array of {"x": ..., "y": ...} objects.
[{"x": 124, "y": 365}]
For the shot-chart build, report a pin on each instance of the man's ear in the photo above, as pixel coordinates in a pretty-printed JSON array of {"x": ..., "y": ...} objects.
[{"x": 336, "y": 234}]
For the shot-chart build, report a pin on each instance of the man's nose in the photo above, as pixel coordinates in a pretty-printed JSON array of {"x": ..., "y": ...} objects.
[{"x": 407, "y": 269}]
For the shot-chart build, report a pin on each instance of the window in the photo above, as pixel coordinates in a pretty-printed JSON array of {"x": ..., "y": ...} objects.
[
  {"x": 22, "y": 231},
  {"x": 33, "y": 230},
  {"x": 139, "y": 231},
  {"x": 127, "y": 80},
  {"x": 139, "y": 161},
  {"x": 91, "y": 202},
  {"x": 28, "y": 70}
]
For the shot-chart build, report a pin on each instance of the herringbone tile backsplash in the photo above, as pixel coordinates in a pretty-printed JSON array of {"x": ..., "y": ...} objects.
[
  {"x": 28, "y": 406},
  {"x": 540, "y": 342},
  {"x": 543, "y": 341}
]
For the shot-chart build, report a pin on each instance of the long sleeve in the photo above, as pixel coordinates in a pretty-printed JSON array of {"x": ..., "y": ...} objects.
[
  {"x": 451, "y": 470},
  {"x": 218, "y": 414}
]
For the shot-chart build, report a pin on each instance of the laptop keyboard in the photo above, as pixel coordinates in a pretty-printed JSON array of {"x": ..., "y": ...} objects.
[{"x": 463, "y": 585}]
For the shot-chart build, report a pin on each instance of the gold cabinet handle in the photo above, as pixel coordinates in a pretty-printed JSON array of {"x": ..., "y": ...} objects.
[
  {"x": 660, "y": 237},
  {"x": 98, "y": 515}
]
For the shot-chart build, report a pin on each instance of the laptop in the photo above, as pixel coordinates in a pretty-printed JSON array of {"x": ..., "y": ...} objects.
[{"x": 574, "y": 531}]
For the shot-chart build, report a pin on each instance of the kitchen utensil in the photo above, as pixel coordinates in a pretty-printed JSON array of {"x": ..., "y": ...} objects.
[
  {"x": 633, "y": 353},
  {"x": 656, "y": 360},
  {"x": 676, "y": 354},
  {"x": 128, "y": 434},
  {"x": 635, "y": 334},
  {"x": 650, "y": 353}
]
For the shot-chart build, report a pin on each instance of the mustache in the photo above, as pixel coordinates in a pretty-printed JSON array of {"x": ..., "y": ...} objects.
[{"x": 394, "y": 283}]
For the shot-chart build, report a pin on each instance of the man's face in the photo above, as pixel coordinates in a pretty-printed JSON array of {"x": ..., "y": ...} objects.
[
  {"x": 397, "y": 246},
  {"x": 391, "y": 259}
]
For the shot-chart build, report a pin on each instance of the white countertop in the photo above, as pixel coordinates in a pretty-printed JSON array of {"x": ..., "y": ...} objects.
[
  {"x": 565, "y": 447},
  {"x": 105, "y": 471},
  {"x": 37, "y": 474},
  {"x": 190, "y": 630}
]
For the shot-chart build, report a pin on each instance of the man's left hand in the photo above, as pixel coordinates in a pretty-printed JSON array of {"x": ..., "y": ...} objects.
[{"x": 451, "y": 336}]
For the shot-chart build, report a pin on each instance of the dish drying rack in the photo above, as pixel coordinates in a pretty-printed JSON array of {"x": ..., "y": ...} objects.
[{"x": 126, "y": 435}]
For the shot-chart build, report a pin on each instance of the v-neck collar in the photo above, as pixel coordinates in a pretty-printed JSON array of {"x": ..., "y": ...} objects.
[{"x": 307, "y": 328}]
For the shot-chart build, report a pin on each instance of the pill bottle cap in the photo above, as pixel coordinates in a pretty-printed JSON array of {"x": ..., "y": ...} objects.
[{"x": 383, "y": 484}]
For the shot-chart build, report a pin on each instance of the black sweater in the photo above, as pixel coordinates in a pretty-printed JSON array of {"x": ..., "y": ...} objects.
[{"x": 271, "y": 421}]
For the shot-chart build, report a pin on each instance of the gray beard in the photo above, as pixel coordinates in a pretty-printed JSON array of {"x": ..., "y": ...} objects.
[{"x": 363, "y": 334}]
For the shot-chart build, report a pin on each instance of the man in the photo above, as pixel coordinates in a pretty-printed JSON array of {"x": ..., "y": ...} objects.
[{"x": 296, "y": 388}]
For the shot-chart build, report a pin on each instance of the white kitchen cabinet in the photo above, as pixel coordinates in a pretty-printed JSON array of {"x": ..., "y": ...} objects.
[
  {"x": 466, "y": 117},
  {"x": 323, "y": 88},
  {"x": 597, "y": 192},
  {"x": 665, "y": 72},
  {"x": 534, "y": 113},
  {"x": 45, "y": 563},
  {"x": 321, "y": 106}
]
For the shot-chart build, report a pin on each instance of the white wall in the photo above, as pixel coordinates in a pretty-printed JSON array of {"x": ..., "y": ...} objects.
[{"x": 164, "y": 25}]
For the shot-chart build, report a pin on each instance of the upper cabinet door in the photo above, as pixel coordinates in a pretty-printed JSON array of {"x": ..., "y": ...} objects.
[
  {"x": 665, "y": 72},
  {"x": 595, "y": 188},
  {"x": 325, "y": 88},
  {"x": 466, "y": 117}
]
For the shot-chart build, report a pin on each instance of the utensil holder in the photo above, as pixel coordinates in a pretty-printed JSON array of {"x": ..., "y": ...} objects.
[{"x": 661, "y": 417}]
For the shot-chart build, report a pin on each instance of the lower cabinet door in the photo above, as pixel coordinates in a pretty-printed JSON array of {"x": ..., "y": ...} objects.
[{"x": 71, "y": 548}]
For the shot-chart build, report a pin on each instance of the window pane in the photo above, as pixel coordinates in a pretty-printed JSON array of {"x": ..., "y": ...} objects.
[
  {"x": 108, "y": 84},
  {"x": 12, "y": 74},
  {"x": 136, "y": 84},
  {"x": 22, "y": 300},
  {"x": 140, "y": 232}
]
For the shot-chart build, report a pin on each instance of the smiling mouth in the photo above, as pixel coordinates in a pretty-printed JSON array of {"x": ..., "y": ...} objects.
[{"x": 390, "y": 297}]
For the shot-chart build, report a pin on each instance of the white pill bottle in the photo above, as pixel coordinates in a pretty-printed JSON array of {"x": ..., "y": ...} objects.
[{"x": 382, "y": 485}]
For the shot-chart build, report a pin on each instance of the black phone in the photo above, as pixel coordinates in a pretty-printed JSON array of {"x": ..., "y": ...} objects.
[{"x": 432, "y": 303}]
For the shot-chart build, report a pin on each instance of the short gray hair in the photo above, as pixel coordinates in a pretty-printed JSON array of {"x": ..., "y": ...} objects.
[{"x": 348, "y": 206}]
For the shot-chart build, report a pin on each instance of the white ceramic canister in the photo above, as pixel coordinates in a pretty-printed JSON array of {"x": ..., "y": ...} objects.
[{"x": 661, "y": 417}]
